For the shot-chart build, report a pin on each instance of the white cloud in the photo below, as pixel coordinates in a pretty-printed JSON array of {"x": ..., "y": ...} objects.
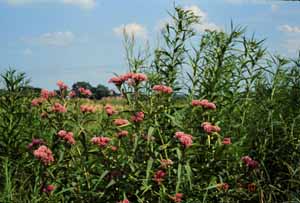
[
  {"x": 289, "y": 29},
  {"x": 86, "y": 4},
  {"x": 27, "y": 52},
  {"x": 205, "y": 24},
  {"x": 132, "y": 29},
  {"x": 274, "y": 7},
  {"x": 58, "y": 39},
  {"x": 82, "y": 3}
]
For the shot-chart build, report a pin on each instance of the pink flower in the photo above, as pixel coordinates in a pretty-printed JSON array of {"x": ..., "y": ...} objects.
[
  {"x": 139, "y": 77},
  {"x": 226, "y": 141},
  {"x": 138, "y": 117},
  {"x": 57, "y": 107},
  {"x": 35, "y": 142},
  {"x": 124, "y": 201},
  {"x": 159, "y": 176},
  {"x": 87, "y": 108},
  {"x": 209, "y": 128},
  {"x": 114, "y": 148},
  {"x": 49, "y": 188},
  {"x": 120, "y": 122},
  {"x": 85, "y": 92},
  {"x": 72, "y": 94},
  {"x": 116, "y": 80},
  {"x": 250, "y": 162},
  {"x": 44, "y": 154},
  {"x": 61, "y": 85},
  {"x": 37, "y": 101},
  {"x": 126, "y": 76},
  {"x": 177, "y": 197},
  {"x": 46, "y": 94},
  {"x": 109, "y": 109},
  {"x": 67, "y": 136},
  {"x": 101, "y": 141},
  {"x": 163, "y": 89},
  {"x": 165, "y": 163},
  {"x": 204, "y": 103},
  {"x": 185, "y": 139},
  {"x": 122, "y": 133}
]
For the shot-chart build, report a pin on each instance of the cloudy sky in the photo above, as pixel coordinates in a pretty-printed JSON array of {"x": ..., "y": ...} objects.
[{"x": 81, "y": 40}]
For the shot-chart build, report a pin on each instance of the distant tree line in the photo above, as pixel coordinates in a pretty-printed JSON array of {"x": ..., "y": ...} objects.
[{"x": 98, "y": 92}]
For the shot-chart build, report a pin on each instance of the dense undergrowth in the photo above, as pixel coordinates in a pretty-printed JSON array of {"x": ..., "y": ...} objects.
[{"x": 213, "y": 118}]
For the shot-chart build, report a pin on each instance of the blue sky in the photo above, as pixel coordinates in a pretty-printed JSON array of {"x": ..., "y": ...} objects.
[{"x": 81, "y": 40}]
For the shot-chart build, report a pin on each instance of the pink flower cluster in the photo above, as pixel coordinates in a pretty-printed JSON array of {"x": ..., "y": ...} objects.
[
  {"x": 72, "y": 94},
  {"x": 85, "y": 108},
  {"x": 159, "y": 176},
  {"x": 101, "y": 141},
  {"x": 109, "y": 109},
  {"x": 48, "y": 188},
  {"x": 250, "y": 162},
  {"x": 209, "y": 128},
  {"x": 138, "y": 117},
  {"x": 204, "y": 103},
  {"x": 177, "y": 197},
  {"x": 57, "y": 107},
  {"x": 85, "y": 92},
  {"x": 124, "y": 201},
  {"x": 61, "y": 85},
  {"x": 165, "y": 163},
  {"x": 131, "y": 78},
  {"x": 122, "y": 133},
  {"x": 44, "y": 154},
  {"x": 163, "y": 89},
  {"x": 226, "y": 141},
  {"x": 37, "y": 101},
  {"x": 120, "y": 122},
  {"x": 35, "y": 142},
  {"x": 185, "y": 139},
  {"x": 46, "y": 94},
  {"x": 67, "y": 136}
]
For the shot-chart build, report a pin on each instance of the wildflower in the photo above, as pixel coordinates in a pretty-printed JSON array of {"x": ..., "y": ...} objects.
[
  {"x": 139, "y": 77},
  {"x": 138, "y": 117},
  {"x": 62, "y": 85},
  {"x": 124, "y": 201},
  {"x": 223, "y": 186},
  {"x": 116, "y": 80},
  {"x": 46, "y": 94},
  {"x": 49, "y": 188},
  {"x": 163, "y": 89},
  {"x": 159, "y": 176},
  {"x": 72, "y": 94},
  {"x": 177, "y": 197},
  {"x": 35, "y": 142},
  {"x": 120, "y": 122},
  {"x": 250, "y": 162},
  {"x": 85, "y": 92},
  {"x": 251, "y": 187},
  {"x": 122, "y": 133},
  {"x": 87, "y": 108},
  {"x": 204, "y": 103},
  {"x": 114, "y": 148},
  {"x": 44, "y": 154},
  {"x": 37, "y": 101},
  {"x": 209, "y": 128},
  {"x": 57, "y": 107},
  {"x": 109, "y": 109},
  {"x": 185, "y": 139},
  {"x": 165, "y": 163},
  {"x": 226, "y": 141},
  {"x": 101, "y": 141},
  {"x": 67, "y": 136}
]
